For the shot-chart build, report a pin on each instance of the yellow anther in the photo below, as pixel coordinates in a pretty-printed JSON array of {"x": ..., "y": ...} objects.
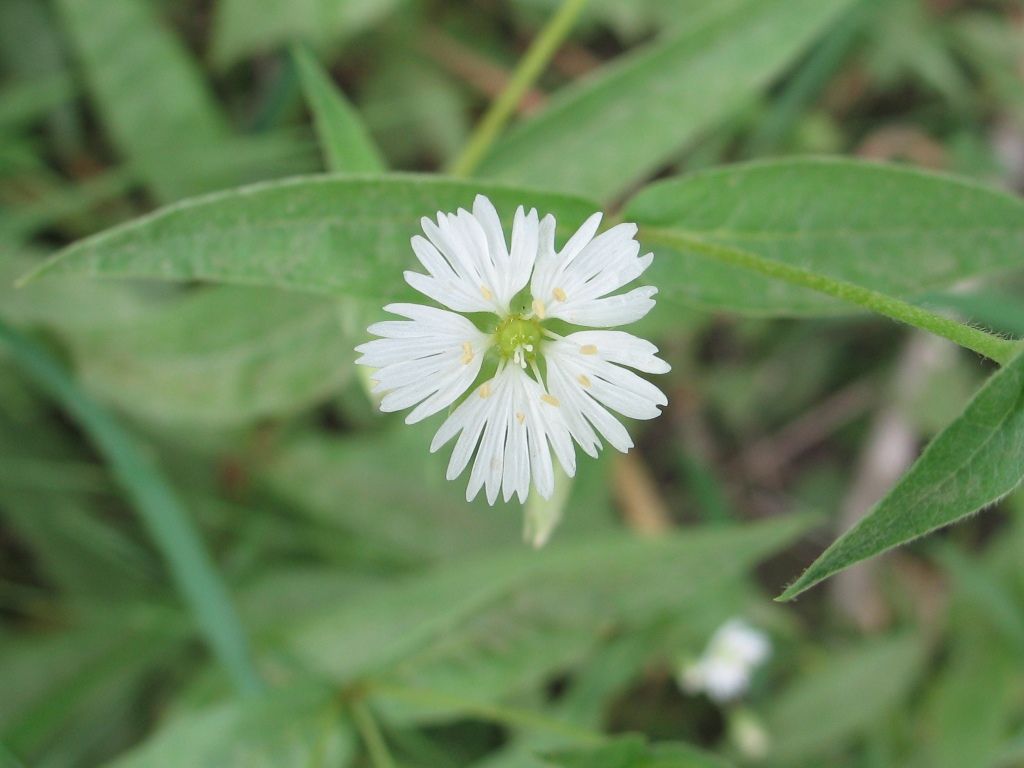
[
  {"x": 467, "y": 353},
  {"x": 520, "y": 417},
  {"x": 584, "y": 381},
  {"x": 550, "y": 400},
  {"x": 486, "y": 292},
  {"x": 538, "y": 308},
  {"x": 559, "y": 294},
  {"x": 588, "y": 349},
  {"x": 485, "y": 391}
]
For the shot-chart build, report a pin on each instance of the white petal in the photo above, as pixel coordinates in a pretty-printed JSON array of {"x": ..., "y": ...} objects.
[
  {"x": 513, "y": 430},
  {"x": 623, "y": 349},
  {"x": 525, "y": 246},
  {"x": 590, "y": 383},
  {"x": 581, "y": 409},
  {"x": 607, "y": 312},
  {"x": 574, "y": 284},
  {"x": 430, "y": 359}
]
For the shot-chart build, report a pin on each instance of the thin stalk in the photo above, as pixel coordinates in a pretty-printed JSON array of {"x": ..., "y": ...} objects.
[
  {"x": 991, "y": 346},
  {"x": 370, "y": 733},
  {"x": 522, "y": 79},
  {"x": 163, "y": 514}
]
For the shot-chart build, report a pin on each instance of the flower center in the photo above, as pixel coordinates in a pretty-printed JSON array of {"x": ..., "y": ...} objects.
[{"x": 519, "y": 339}]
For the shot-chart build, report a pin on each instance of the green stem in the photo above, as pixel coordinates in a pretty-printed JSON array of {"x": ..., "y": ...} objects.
[
  {"x": 373, "y": 739},
  {"x": 522, "y": 79},
  {"x": 998, "y": 349},
  {"x": 157, "y": 504}
]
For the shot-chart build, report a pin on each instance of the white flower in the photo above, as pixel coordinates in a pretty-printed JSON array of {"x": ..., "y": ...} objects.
[
  {"x": 724, "y": 670},
  {"x": 534, "y": 391}
]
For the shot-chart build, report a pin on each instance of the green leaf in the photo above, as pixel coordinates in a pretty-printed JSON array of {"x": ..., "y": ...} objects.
[
  {"x": 32, "y": 98},
  {"x": 332, "y": 235},
  {"x": 973, "y": 462},
  {"x": 401, "y": 620},
  {"x": 295, "y": 727},
  {"x": 344, "y": 141},
  {"x": 634, "y": 752},
  {"x": 971, "y": 705},
  {"x": 149, "y": 93},
  {"x": 893, "y": 230},
  {"x": 618, "y": 127},
  {"x": 222, "y": 356},
  {"x": 157, "y": 504},
  {"x": 63, "y": 689},
  {"x": 245, "y": 27},
  {"x": 846, "y": 695},
  {"x": 348, "y": 484}
]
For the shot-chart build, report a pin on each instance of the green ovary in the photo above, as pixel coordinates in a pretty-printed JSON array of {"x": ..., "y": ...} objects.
[{"x": 519, "y": 339}]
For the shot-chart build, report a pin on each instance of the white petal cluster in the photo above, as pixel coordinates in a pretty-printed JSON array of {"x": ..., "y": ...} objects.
[
  {"x": 724, "y": 669},
  {"x": 517, "y": 416}
]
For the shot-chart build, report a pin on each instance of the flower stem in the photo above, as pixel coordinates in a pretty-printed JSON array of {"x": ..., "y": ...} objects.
[
  {"x": 522, "y": 79},
  {"x": 991, "y": 346},
  {"x": 373, "y": 739}
]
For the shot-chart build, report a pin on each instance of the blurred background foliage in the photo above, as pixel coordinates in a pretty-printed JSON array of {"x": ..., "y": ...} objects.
[{"x": 391, "y": 620}]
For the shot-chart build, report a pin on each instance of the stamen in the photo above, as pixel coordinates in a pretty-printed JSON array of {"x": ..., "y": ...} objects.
[
  {"x": 467, "y": 353},
  {"x": 588, "y": 349},
  {"x": 486, "y": 292},
  {"x": 584, "y": 381},
  {"x": 538, "y": 308},
  {"x": 485, "y": 391},
  {"x": 550, "y": 400},
  {"x": 559, "y": 294},
  {"x": 520, "y": 417}
]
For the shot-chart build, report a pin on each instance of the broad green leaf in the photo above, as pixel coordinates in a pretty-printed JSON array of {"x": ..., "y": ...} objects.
[
  {"x": 63, "y": 306},
  {"x": 27, "y": 100},
  {"x": 57, "y": 684},
  {"x": 348, "y": 483},
  {"x": 344, "y": 141},
  {"x": 894, "y": 230},
  {"x": 299, "y": 726},
  {"x": 971, "y": 706},
  {"x": 405, "y": 618},
  {"x": 616, "y": 128},
  {"x": 148, "y": 91},
  {"x": 157, "y": 503},
  {"x": 332, "y": 235},
  {"x": 245, "y": 27},
  {"x": 973, "y": 462},
  {"x": 848, "y": 694},
  {"x": 993, "y": 309},
  {"x": 222, "y": 356},
  {"x": 556, "y": 627},
  {"x": 634, "y": 752}
]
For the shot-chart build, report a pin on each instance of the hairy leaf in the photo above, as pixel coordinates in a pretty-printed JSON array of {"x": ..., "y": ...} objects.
[
  {"x": 331, "y": 235},
  {"x": 894, "y": 230},
  {"x": 973, "y": 462}
]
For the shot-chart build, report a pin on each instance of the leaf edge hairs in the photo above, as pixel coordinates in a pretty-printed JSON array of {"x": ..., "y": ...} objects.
[{"x": 516, "y": 415}]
